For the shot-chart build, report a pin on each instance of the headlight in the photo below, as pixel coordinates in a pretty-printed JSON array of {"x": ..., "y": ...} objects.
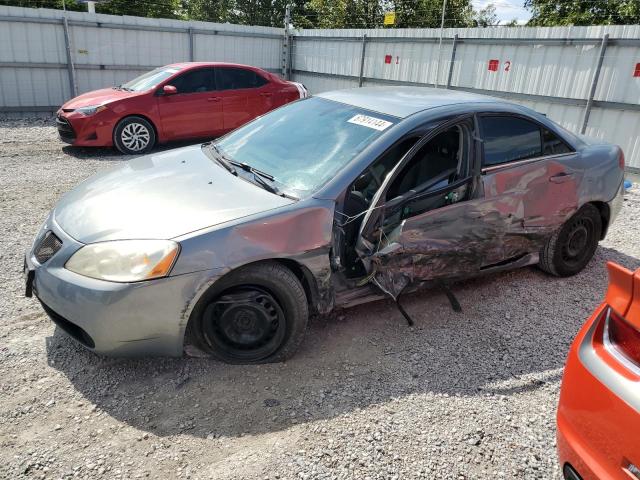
[
  {"x": 125, "y": 260},
  {"x": 92, "y": 110}
]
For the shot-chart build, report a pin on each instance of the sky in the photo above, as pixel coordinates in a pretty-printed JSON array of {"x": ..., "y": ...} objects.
[{"x": 506, "y": 10}]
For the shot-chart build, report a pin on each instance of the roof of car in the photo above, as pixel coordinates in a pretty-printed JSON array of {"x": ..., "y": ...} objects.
[
  {"x": 404, "y": 101},
  {"x": 210, "y": 64}
]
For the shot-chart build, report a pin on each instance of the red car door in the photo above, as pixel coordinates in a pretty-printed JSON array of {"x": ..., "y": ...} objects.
[
  {"x": 195, "y": 110},
  {"x": 245, "y": 95}
]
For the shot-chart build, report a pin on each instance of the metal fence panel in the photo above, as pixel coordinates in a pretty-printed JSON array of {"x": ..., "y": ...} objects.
[
  {"x": 108, "y": 50},
  {"x": 322, "y": 83},
  {"x": 98, "y": 46},
  {"x": 551, "y": 69}
]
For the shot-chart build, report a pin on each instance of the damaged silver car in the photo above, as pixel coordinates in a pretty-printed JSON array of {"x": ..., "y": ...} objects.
[{"x": 343, "y": 198}]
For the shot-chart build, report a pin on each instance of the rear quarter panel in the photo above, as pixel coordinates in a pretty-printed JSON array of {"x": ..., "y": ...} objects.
[
  {"x": 286, "y": 93},
  {"x": 602, "y": 174}
]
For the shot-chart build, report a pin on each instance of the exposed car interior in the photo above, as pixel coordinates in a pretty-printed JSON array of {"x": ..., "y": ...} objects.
[
  {"x": 439, "y": 163},
  {"x": 433, "y": 166}
]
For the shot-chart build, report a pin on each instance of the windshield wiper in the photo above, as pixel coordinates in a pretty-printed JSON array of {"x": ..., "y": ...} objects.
[
  {"x": 258, "y": 176},
  {"x": 248, "y": 168},
  {"x": 220, "y": 158}
]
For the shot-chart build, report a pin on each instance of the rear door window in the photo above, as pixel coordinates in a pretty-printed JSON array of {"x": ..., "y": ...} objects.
[
  {"x": 230, "y": 78},
  {"x": 553, "y": 145},
  {"x": 508, "y": 139}
]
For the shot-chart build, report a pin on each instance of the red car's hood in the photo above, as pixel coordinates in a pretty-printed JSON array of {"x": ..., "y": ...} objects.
[{"x": 98, "y": 97}]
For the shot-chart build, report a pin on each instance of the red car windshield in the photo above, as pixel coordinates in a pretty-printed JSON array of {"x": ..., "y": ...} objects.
[{"x": 149, "y": 79}]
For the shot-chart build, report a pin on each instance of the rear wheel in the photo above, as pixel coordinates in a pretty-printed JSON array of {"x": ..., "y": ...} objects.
[
  {"x": 571, "y": 248},
  {"x": 134, "y": 135},
  {"x": 256, "y": 314}
]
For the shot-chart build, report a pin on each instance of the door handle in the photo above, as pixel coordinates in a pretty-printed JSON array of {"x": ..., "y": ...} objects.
[
  {"x": 266, "y": 94},
  {"x": 561, "y": 177},
  {"x": 214, "y": 99}
]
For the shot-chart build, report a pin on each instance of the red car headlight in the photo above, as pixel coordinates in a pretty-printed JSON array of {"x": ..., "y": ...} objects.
[{"x": 91, "y": 110}]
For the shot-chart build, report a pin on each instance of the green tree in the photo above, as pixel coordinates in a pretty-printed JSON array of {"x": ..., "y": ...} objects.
[
  {"x": 370, "y": 13},
  {"x": 140, "y": 8},
  {"x": 486, "y": 16},
  {"x": 428, "y": 13},
  {"x": 340, "y": 14},
  {"x": 56, "y": 4},
  {"x": 207, "y": 10},
  {"x": 583, "y": 12}
]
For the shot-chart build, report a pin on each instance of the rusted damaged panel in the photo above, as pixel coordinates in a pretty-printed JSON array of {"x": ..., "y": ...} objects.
[
  {"x": 301, "y": 235},
  {"x": 513, "y": 214},
  {"x": 288, "y": 233},
  {"x": 547, "y": 191},
  {"x": 318, "y": 267}
]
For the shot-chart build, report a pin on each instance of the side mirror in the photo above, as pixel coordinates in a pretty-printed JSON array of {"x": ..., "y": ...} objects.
[{"x": 169, "y": 90}]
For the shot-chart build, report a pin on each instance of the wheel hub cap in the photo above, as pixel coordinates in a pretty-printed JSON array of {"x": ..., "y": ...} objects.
[
  {"x": 135, "y": 136},
  {"x": 246, "y": 324},
  {"x": 577, "y": 241}
]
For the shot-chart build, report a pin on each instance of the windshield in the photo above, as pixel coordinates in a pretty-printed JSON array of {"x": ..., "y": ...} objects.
[
  {"x": 149, "y": 79},
  {"x": 304, "y": 144}
]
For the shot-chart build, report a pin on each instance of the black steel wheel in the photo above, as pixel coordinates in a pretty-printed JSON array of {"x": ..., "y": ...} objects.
[
  {"x": 256, "y": 314},
  {"x": 571, "y": 248},
  {"x": 246, "y": 323}
]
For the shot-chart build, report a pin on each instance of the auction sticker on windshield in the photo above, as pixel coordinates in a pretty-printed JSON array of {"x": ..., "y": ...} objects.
[{"x": 371, "y": 122}]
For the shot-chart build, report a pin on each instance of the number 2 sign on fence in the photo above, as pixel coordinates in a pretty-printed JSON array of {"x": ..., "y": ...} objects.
[{"x": 494, "y": 65}]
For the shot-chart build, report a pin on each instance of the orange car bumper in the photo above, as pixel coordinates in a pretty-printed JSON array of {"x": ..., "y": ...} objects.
[{"x": 598, "y": 415}]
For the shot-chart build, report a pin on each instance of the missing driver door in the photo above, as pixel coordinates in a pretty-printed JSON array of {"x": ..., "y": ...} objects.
[{"x": 423, "y": 222}]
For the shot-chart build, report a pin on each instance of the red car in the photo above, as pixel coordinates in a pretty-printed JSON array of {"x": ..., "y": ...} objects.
[
  {"x": 176, "y": 102},
  {"x": 599, "y": 410}
]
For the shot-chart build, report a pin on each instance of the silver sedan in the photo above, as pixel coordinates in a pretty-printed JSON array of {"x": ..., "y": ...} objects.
[{"x": 331, "y": 201}]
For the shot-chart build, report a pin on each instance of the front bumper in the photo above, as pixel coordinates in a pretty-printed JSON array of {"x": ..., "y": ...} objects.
[
  {"x": 597, "y": 430},
  {"x": 88, "y": 131},
  {"x": 119, "y": 319}
]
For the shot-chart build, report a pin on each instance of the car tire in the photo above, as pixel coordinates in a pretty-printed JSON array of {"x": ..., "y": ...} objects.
[
  {"x": 134, "y": 135},
  {"x": 571, "y": 248},
  {"x": 256, "y": 314}
]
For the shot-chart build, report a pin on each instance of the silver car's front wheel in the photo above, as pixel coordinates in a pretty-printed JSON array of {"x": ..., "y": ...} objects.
[
  {"x": 255, "y": 314},
  {"x": 134, "y": 135}
]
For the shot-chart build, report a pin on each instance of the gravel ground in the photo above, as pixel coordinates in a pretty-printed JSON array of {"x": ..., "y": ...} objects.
[{"x": 462, "y": 396}]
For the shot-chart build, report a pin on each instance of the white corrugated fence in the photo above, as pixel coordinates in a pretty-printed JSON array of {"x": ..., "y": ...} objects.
[
  {"x": 585, "y": 78},
  {"x": 107, "y": 50},
  {"x": 551, "y": 69}
]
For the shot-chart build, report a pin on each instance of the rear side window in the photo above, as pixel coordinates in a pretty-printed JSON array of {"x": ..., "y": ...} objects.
[
  {"x": 552, "y": 143},
  {"x": 508, "y": 138},
  {"x": 195, "y": 81},
  {"x": 238, "y": 78}
]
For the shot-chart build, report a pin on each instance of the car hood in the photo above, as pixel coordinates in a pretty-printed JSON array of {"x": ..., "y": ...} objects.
[
  {"x": 163, "y": 195},
  {"x": 97, "y": 97}
]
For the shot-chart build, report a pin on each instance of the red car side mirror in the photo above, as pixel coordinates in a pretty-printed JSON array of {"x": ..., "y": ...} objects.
[{"x": 169, "y": 90}]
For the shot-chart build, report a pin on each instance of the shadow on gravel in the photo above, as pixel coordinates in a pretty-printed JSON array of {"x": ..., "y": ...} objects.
[
  {"x": 107, "y": 154},
  {"x": 511, "y": 338}
]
